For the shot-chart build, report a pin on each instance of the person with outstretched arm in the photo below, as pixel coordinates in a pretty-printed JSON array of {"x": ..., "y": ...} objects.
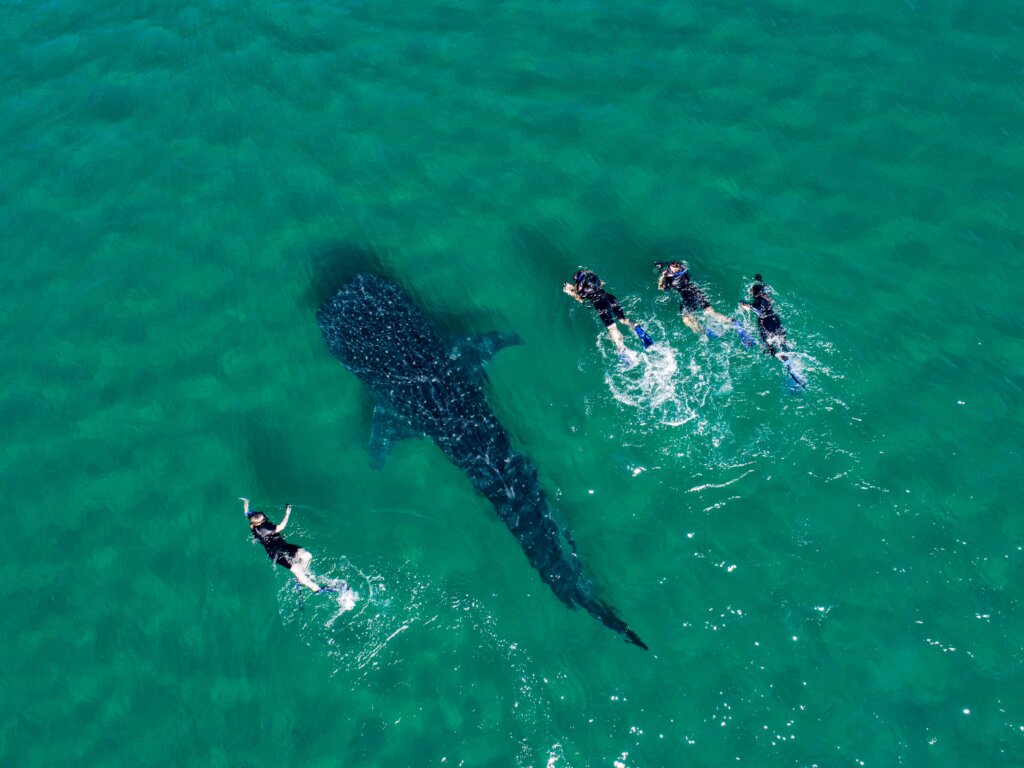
[
  {"x": 294, "y": 558},
  {"x": 586, "y": 286}
]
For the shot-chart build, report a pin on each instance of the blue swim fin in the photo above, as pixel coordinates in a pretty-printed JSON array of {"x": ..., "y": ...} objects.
[
  {"x": 788, "y": 363},
  {"x": 746, "y": 338},
  {"x": 710, "y": 334},
  {"x": 646, "y": 340}
]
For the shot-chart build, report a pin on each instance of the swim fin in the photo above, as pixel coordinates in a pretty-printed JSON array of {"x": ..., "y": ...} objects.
[
  {"x": 788, "y": 363},
  {"x": 746, "y": 338},
  {"x": 710, "y": 334},
  {"x": 646, "y": 340}
]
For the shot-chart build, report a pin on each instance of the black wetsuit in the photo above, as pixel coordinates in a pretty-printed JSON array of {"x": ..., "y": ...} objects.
[
  {"x": 772, "y": 333},
  {"x": 691, "y": 298},
  {"x": 607, "y": 306},
  {"x": 278, "y": 550}
]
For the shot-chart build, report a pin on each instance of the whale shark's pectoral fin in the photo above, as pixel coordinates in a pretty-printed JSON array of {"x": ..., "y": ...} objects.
[
  {"x": 385, "y": 429},
  {"x": 475, "y": 351}
]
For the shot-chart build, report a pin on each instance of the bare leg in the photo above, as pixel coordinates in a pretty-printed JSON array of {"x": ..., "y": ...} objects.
[
  {"x": 303, "y": 578},
  {"x": 718, "y": 316},
  {"x": 616, "y": 335},
  {"x": 300, "y": 568},
  {"x": 691, "y": 322}
]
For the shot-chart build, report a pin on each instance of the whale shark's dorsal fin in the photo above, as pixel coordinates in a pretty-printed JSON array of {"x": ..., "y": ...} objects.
[
  {"x": 476, "y": 350},
  {"x": 385, "y": 428}
]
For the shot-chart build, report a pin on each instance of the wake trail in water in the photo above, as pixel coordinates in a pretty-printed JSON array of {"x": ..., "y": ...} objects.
[
  {"x": 683, "y": 395},
  {"x": 379, "y": 620},
  {"x": 664, "y": 388}
]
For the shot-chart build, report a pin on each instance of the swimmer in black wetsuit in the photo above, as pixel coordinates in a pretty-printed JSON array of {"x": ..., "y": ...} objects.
[
  {"x": 586, "y": 286},
  {"x": 676, "y": 277},
  {"x": 772, "y": 333},
  {"x": 289, "y": 556}
]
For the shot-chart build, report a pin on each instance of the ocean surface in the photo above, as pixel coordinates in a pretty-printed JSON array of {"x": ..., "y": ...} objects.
[{"x": 825, "y": 577}]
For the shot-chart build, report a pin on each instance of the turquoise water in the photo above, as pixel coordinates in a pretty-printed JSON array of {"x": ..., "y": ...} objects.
[{"x": 824, "y": 578}]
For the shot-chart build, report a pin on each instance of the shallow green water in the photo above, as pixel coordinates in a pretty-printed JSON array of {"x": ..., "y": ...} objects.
[{"x": 826, "y": 578}]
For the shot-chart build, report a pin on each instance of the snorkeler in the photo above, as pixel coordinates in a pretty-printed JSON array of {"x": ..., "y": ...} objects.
[
  {"x": 772, "y": 333},
  {"x": 586, "y": 286},
  {"x": 675, "y": 275},
  {"x": 294, "y": 558}
]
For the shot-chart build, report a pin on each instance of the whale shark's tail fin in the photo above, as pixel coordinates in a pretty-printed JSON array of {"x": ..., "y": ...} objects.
[
  {"x": 606, "y": 615},
  {"x": 632, "y": 637}
]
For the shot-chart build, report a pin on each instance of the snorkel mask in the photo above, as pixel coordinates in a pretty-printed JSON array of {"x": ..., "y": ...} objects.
[
  {"x": 681, "y": 266},
  {"x": 584, "y": 278}
]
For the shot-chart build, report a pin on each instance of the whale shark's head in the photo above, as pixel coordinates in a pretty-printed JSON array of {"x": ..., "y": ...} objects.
[{"x": 377, "y": 331}]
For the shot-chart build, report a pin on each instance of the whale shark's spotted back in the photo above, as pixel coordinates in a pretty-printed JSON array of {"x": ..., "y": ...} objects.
[
  {"x": 378, "y": 332},
  {"x": 429, "y": 386}
]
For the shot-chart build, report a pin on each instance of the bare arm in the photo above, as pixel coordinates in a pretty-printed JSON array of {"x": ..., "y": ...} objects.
[
  {"x": 245, "y": 505},
  {"x": 571, "y": 291},
  {"x": 287, "y": 514}
]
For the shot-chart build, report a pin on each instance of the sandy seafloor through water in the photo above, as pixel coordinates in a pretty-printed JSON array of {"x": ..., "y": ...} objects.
[{"x": 825, "y": 578}]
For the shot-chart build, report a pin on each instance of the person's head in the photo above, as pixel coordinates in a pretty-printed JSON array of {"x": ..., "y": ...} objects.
[
  {"x": 257, "y": 518},
  {"x": 758, "y": 287},
  {"x": 585, "y": 280}
]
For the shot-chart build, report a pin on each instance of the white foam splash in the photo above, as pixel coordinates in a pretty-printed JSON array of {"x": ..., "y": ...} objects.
[{"x": 663, "y": 388}]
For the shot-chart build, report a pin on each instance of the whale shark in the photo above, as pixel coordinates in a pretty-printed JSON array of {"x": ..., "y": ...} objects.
[{"x": 426, "y": 385}]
